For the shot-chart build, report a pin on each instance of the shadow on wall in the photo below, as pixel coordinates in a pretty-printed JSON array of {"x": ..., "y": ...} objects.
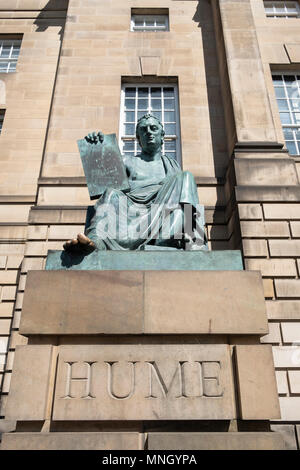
[
  {"x": 224, "y": 232},
  {"x": 52, "y": 15},
  {"x": 204, "y": 17}
]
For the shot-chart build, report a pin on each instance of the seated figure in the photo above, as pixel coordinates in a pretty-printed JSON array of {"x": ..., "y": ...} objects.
[{"x": 160, "y": 210}]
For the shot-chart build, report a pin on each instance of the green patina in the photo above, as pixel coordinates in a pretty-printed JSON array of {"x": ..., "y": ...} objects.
[
  {"x": 147, "y": 260},
  {"x": 148, "y": 185}
]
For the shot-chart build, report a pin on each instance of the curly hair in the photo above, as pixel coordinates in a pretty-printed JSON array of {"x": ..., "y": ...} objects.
[{"x": 147, "y": 116}]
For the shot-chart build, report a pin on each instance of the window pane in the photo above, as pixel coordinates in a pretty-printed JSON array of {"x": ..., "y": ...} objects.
[
  {"x": 13, "y": 66},
  {"x": 5, "y": 51},
  {"x": 156, "y": 104},
  {"x": 129, "y": 116},
  {"x": 156, "y": 92},
  {"x": 283, "y": 105},
  {"x": 143, "y": 104},
  {"x": 9, "y": 52},
  {"x": 169, "y": 104},
  {"x": 170, "y": 129},
  {"x": 169, "y": 92},
  {"x": 15, "y": 52},
  {"x": 289, "y": 80},
  {"x": 142, "y": 92},
  {"x": 170, "y": 145},
  {"x": 285, "y": 118},
  {"x": 129, "y": 129},
  {"x": 139, "y": 22},
  {"x": 129, "y": 104},
  {"x": 291, "y": 7},
  {"x": 293, "y": 92},
  {"x": 129, "y": 92},
  {"x": 3, "y": 66},
  {"x": 134, "y": 109},
  {"x": 279, "y": 92},
  {"x": 288, "y": 134},
  {"x": 128, "y": 145},
  {"x": 295, "y": 105},
  {"x": 277, "y": 80},
  {"x": 170, "y": 116},
  {"x": 157, "y": 114},
  {"x": 297, "y": 118},
  {"x": 149, "y": 22},
  {"x": 141, "y": 114},
  {"x": 291, "y": 146}
]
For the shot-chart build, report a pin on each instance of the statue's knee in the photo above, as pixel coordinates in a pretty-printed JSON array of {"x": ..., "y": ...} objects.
[{"x": 188, "y": 174}]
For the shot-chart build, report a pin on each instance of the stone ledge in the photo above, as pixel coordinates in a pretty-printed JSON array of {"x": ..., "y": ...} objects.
[
  {"x": 216, "y": 441},
  {"x": 265, "y": 171},
  {"x": 267, "y": 193},
  {"x": 152, "y": 259},
  {"x": 143, "y": 302},
  {"x": 134, "y": 441},
  {"x": 71, "y": 441}
]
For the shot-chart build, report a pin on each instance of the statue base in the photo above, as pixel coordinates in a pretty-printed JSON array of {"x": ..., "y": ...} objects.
[{"x": 230, "y": 260}]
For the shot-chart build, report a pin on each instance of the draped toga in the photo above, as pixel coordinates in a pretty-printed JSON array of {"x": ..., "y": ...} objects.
[{"x": 153, "y": 212}]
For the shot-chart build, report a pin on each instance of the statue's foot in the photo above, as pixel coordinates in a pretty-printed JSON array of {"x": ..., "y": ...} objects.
[{"x": 81, "y": 244}]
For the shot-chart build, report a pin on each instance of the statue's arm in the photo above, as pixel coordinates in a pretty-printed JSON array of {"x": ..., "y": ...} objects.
[{"x": 84, "y": 243}]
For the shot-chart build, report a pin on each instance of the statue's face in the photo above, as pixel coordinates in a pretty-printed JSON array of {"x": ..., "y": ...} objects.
[{"x": 150, "y": 135}]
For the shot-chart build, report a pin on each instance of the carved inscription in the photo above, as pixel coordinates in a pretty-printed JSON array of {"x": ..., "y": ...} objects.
[
  {"x": 189, "y": 376},
  {"x": 72, "y": 379},
  {"x": 202, "y": 377},
  {"x": 144, "y": 382},
  {"x": 110, "y": 380}
]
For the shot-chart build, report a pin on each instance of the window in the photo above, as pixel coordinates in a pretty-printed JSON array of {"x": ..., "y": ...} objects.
[
  {"x": 2, "y": 112},
  {"x": 287, "y": 90},
  {"x": 149, "y": 22},
  {"x": 9, "y": 53},
  {"x": 159, "y": 100},
  {"x": 282, "y": 9}
]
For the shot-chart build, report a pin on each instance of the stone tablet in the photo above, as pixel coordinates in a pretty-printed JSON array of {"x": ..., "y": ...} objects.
[
  {"x": 103, "y": 165},
  {"x": 144, "y": 382}
]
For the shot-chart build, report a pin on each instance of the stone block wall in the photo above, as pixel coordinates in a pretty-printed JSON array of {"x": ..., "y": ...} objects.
[
  {"x": 68, "y": 83},
  {"x": 26, "y": 97}
]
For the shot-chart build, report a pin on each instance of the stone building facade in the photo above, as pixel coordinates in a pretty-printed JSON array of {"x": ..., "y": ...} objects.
[{"x": 235, "y": 68}]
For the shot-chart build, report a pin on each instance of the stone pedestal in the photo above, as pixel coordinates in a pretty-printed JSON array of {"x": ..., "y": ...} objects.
[{"x": 112, "y": 352}]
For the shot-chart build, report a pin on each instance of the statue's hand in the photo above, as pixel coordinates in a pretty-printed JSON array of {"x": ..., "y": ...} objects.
[
  {"x": 81, "y": 244},
  {"x": 95, "y": 137}
]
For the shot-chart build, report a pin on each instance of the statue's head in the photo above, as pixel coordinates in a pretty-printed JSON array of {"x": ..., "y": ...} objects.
[{"x": 150, "y": 133}]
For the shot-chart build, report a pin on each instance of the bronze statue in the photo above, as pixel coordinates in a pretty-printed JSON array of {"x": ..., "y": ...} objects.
[{"x": 160, "y": 210}]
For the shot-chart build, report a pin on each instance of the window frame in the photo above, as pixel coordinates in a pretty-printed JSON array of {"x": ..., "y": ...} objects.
[
  {"x": 149, "y": 16},
  {"x": 285, "y": 14},
  {"x": 287, "y": 98},
  {"x": 172, "y": 137},
  {"x": 12, "y": 42}
]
